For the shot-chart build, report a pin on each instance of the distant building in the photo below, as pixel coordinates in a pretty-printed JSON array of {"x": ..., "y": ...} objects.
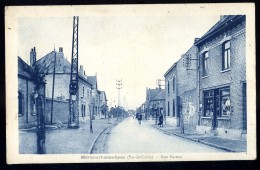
[
  {"x": 155, "y": 102},
  {"x": 222, "y": 54},
  {"x": 95, "y": 95},
  {"x": 103, "y": 105}
]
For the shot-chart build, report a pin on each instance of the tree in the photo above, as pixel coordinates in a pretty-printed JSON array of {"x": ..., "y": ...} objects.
[{"x": 39, "y": 95}]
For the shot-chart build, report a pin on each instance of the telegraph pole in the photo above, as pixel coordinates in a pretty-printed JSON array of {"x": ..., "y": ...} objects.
[
  {"x": 119, "y": 87},
  {"x": 73, "y": 88},
  {"x": 53, "y": 83}
]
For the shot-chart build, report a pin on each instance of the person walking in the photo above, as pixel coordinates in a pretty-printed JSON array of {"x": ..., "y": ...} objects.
[
  {"x": 139, "y": 117},
  {"x": 160, "y": 120}
]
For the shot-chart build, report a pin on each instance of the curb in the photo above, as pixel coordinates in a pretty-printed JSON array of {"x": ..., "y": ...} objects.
[
  {"x": 94, "y": 141},
  {"x": 197, "y": 140}
]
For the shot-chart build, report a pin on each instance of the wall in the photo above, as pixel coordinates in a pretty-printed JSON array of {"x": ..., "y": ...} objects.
[
  {"x": 190, "y": 110},
  {"x": 60, "y": 111},
  {"x": 61, "y": 86},
  {"x": 28, "y": 117},
  {"x": 232, "y": 78},
  {"x": 187, "y": 90},
  {"x": 171, "y": 96}
]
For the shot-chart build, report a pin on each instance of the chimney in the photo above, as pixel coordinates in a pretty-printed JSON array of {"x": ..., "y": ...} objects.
[
  {"x": 32, "y": 56},
  {"x": 81, "y": 69},
  {"x": 196, "y": 39},
  {"x": 60, "y": 49}
]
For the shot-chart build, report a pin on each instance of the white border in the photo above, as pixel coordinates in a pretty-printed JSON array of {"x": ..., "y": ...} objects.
[{"x": 11, "y": 17}]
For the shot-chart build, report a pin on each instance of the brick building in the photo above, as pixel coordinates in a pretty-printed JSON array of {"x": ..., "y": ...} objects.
[
  {"x": 181, "y": 97},
  {"x": 222, "y": 75}
]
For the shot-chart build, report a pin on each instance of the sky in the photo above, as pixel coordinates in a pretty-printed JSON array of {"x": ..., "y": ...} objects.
[{"x": 135, "y": 49}]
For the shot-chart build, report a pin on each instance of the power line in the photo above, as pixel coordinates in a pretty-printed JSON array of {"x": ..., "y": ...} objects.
[{"x": 118, "y": 87}]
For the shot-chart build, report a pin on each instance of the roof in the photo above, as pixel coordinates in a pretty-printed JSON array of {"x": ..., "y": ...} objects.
[
  {"x": 170, "y": 69},
  {"x": 92, "y": 80},
  {"x": 223, "y": 23},
  {"x": 24, "y": 69},
  {"x": 160, "y": 95},
  {"x": 156, "y": 94},
  {"x": 104, "y": 94},
  {"x": 46, "y": 63}
]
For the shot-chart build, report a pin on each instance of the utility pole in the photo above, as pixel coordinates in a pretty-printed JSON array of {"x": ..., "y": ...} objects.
[
  {"x": 73, "y": 88},
  {"x": 53, "y": 83},
  {"x": 119, "y": 87}
]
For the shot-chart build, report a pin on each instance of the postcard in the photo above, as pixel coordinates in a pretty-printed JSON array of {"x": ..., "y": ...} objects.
[{"x": 130, "y": 83}]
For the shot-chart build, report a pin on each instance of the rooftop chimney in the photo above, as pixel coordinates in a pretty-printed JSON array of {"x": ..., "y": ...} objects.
[
  {"x": 60, "y": 49},
  {"x": 81, "y": 71},
  {"x": 32, "y": 56},
  {"x": 196, "y": 39}
]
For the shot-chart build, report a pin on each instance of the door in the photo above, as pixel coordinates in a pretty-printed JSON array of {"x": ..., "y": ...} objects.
[{"x": 216, "y": 109}]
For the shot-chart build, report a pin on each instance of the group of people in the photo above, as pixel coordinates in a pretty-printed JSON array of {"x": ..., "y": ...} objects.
[{"x": 139, "y": 117}]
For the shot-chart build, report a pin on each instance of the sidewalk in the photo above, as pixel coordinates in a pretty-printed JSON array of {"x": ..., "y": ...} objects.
[
  {"x": 230, "y": 145},
  {"x": 64, "y": 140}
]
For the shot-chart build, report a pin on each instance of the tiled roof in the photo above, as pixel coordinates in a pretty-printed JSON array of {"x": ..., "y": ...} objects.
[
  {"x": 154, "y": 92},
  {"x": 160, "y": 95},
  {"x": 46, "y": 63}
]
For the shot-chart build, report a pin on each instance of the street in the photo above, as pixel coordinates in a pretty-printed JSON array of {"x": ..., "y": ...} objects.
[{"x": 130, "y": 137}]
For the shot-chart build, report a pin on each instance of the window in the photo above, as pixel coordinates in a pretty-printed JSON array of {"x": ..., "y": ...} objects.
[
  {"x": 173, "y": 108},
  {"x": 217, "y": 101},
  {"x": 168, "y": 87},
  {"x": 205, "y": 63},
  {"x": 83, "y": 90},
  {"x": 168, "y": 109},
  {"x": 225, "y": 102},
  {"x": 20, "y": 103},
  {"x": 33, "y": 106},
  {"x": 83, "y": 110},
  {"x": 208, "y": 103},
  {"x": 173, "y": 85},
  {"x": 226, "y": 56}
]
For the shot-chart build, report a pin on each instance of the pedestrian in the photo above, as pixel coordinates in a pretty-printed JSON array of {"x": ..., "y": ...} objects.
[
  {"x": 160, "y": 120},
  {"x": 139, "y": 117}
]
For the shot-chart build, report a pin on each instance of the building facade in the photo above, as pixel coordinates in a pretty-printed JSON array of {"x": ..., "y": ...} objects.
[
  {"x": 222, "y": 77},
  {"x": 181, "y": 95},
  {"x": 187, "y": 90},
  {"x": 103, "y": 105},
  {"x": 171, "y": 95},
  {"x": 155, "y": 103},
  {"x": 61, "y": 87},
  {"x": 26, "y": 102}
]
